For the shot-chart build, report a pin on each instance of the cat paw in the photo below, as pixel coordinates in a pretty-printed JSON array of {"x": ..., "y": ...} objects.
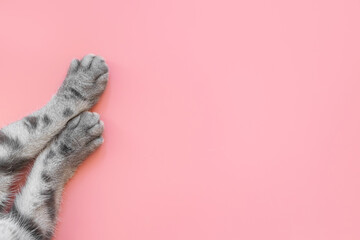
[
  {"x": 85, "y": 81},
  {"x": 80, "y": 138}
]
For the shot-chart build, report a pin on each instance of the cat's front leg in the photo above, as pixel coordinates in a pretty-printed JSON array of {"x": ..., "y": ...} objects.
[{"x": 39, "y": 200}]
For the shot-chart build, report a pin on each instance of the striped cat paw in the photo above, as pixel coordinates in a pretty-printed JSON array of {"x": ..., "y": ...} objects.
[
  {"x": 80, "y": 138},
  {"x": 85, "y": 81}
]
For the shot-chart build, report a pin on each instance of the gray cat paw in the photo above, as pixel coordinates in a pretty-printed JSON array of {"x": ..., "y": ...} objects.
[
  {"x": 85, "y": 81},
  {"x": 80, "y": 138}
]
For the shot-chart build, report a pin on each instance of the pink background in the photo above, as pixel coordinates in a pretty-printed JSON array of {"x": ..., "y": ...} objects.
[{"x": 224, "y": 119}]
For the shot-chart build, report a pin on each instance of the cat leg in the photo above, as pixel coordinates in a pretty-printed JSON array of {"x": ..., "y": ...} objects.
[
  {"x": 23, "y": 140},
  {"x": 35, "y": 208}
]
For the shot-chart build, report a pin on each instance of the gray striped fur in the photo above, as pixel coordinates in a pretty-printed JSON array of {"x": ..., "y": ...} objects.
[{"x": 59, "y": 136}]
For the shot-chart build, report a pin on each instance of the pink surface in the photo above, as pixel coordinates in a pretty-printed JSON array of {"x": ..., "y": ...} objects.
[{"x": 224, "y": 119}]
